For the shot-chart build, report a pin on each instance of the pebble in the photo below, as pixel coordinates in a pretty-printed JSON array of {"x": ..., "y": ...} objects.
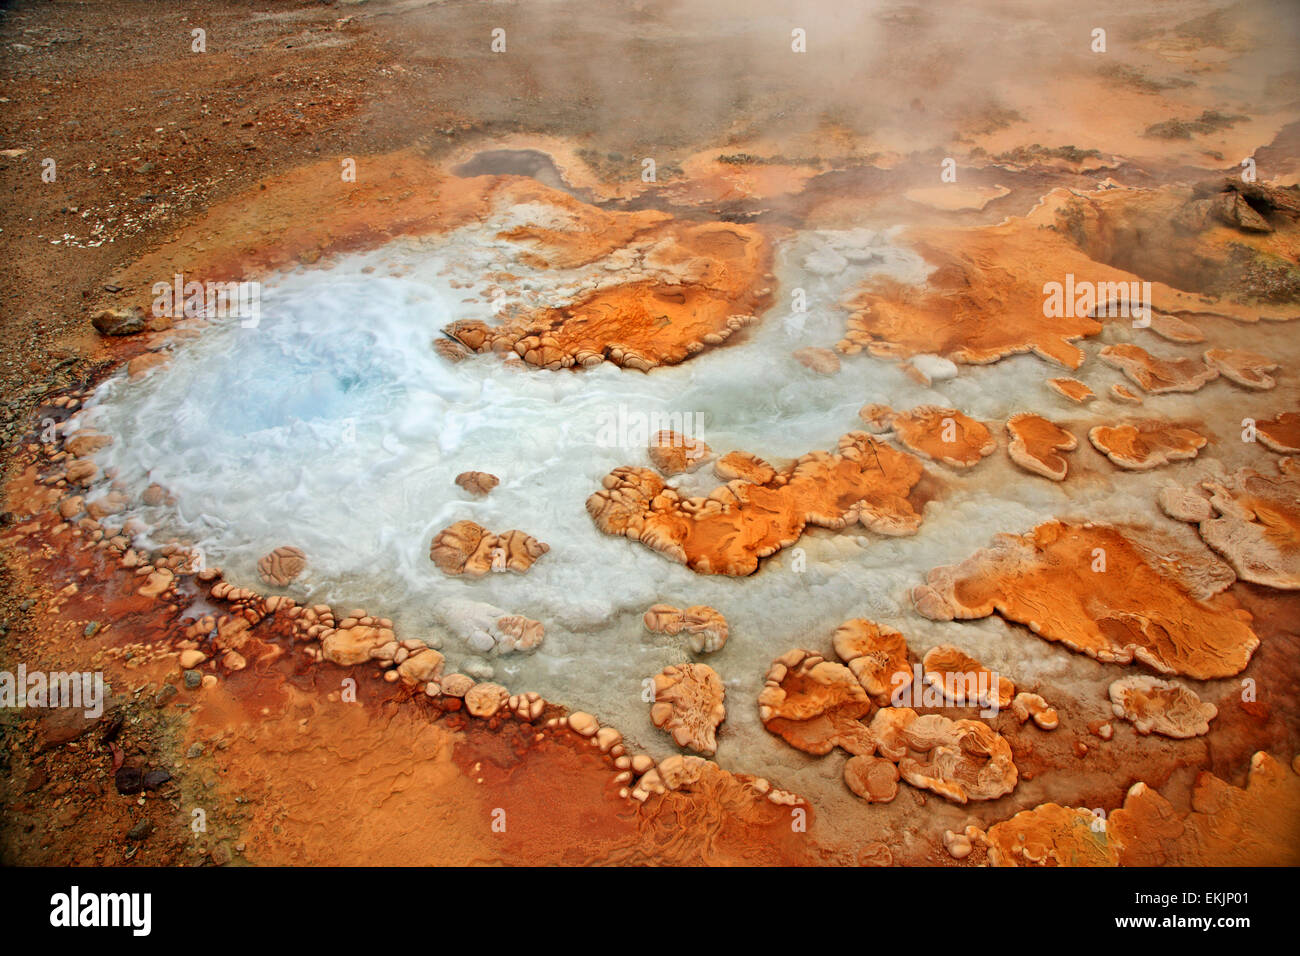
[{"x": 140, "y": 831}]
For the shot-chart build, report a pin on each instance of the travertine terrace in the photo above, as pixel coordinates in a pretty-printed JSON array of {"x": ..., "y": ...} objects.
[{"x": 730, "y": 435}]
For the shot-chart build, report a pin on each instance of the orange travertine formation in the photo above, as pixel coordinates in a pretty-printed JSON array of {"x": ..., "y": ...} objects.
[
  {"x": 877, "y": 656},
  {"x": 1035, "y": 443},
  {"x": 282, "y": 565},
  {"x": 469, "y": 548},
  {"x": 1252, "y": 519},
  {"x": 981, "y": 303},
  {"x": 1139, "y": 446},
  {"x": 1072, "y": 388},
  {"x": 477, "y": 482},
  {"x": 688, "y": 286},
  {"x": 674, "y": 454},
  {"x": 1226, "y": 826},
  {"x": 689, "y": 705},
  {"x": 1122, "y": 393},
  {"x": 964, "y": 680},
  {"x": 874, "y": 779},
  {"x": 822, "y": 361},
  {"x": 815, "y": 705},
  {"x": 705, "y": 627},
  {"x": 960, "y": 760},
  {"x": 1281, "y": 433},
  {"x": 740, "y": 522},
  {"x": 1050, "y": 835},
  {"x": 745, "y": 467},
  {"x": 1164, "y": 707},
  {"x": 1157, "y": 375},
  {"x": 1175, "y": 329},
  {"x": 940, "y": 434},
  {"x": 1028, "y": 706},
  {"x": 1248, "y": 369},
  {"x": 1099, "y": 592},
  {"x": 944, "y": 435}
]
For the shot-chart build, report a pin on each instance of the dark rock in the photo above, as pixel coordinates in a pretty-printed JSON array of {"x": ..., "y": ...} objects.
[
  {"x": 167, "y": 692},
  {"x": 120, "y": 321},
  {"x": 129, "y": 780},
  {"x": 193, "y": 679},
  {"x": 58, "y": 727},
  {"x": 140, "y": 831},
  {"x": 155, "y": 779},
  {"x": 38, "y": 779}
]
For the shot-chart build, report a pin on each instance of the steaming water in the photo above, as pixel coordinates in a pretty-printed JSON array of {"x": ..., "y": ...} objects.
[{"x": 333, "y": 426}]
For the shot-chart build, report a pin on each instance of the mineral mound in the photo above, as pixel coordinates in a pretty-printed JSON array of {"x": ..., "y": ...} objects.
[
  {"x": 282, "y": 565},
  {"x": 1099, "y": 592},
  {"x": 1253, "y": 520},
  {"x": 689, "y": 705},
  {"x": 815, "y": 705},
  {"x": 960, "y": 760},
  {"x": 469, "y": 548},
  {"x": 651, "y": 290},
  {"x": 705, "y": 627},
  {"x": 877, "y": 656},
  {"x": 740, "y": 522},
  {"x": 1035, "y": 444},
  {"x": 940, "y": 434},
  {"x": 1139, "y": 446},
  {"x": 1156, "y": 375},
  {"x": 1160, "y": 706}
]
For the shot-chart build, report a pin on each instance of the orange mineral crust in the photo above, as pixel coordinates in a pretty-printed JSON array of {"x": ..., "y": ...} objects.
[
  {"x": 991, "y": 295},
  {"x": 1252, "y": 519},
  {"x": 738, "y": 523},
  {"x": 1139, "y": 446},
  {"x": 1225, "y": 826},
  {"x": 1157, "y": 375},
  {"x": 877, "y": 656},
  {"x": 963, "y": 679},
  {"x": 943, "y": 434},
  {"x": 1073, "y": 389},
  {"x": 815, "y": 705},
  {"x": 1281, "y": 433},
  {"x": 1094, "y": 590},
  {"x": 469, "y": 548},
  {"x": 685, "y": 287},
  {"x": 1036, "y": 443}
]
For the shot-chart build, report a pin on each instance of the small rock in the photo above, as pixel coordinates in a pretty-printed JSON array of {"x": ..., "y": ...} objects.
[
  {"x": 155, "y": 779},
  {"x": 129, "y": 780},
  {"x": 193, "y": 679},
  {"x": 191, "y": 659},
  {"x": 119, "y": 321},
  {"x": 140, "y": 831}
]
